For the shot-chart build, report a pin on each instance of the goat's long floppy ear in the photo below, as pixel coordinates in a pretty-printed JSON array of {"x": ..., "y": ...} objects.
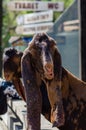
[
  {"x": 57, "y": 112},
  {"x": 19, "y": 87},
  {"x": 57, "y": 63},
  {"x": 32, "y": 92}
]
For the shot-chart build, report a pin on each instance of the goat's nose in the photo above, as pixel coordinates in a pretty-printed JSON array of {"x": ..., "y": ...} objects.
[{"x": 49, "y": 67}]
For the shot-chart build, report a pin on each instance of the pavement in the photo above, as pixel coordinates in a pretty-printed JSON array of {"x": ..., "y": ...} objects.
[
  {"x": 19, "y": 108},
  {"x": 3, "y": 125}
]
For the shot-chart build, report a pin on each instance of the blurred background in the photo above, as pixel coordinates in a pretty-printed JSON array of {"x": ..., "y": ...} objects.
[{"x": 64, "y": 20}]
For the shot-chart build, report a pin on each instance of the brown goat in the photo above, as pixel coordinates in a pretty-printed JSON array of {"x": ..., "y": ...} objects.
[{"x": 41, "y": 61}]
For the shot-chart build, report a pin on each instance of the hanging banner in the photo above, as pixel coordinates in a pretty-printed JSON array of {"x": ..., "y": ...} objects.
[
  {"x": 35, "y": 6},
  {"x": 35, "y": 17},
  {"x": 33, "y": 28}
]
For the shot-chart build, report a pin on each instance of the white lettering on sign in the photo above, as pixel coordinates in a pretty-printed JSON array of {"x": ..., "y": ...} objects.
[{"x": 35, "y": 5}]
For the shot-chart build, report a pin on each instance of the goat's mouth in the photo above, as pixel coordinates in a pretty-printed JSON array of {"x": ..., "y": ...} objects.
[
  {"x": 48, "y": 71},
  {"x": 49, "y": 76},
  {"x": 8, "y": 76}
]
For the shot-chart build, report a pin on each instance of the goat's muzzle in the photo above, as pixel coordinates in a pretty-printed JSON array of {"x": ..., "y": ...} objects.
[{"x": 48, "y": 71}]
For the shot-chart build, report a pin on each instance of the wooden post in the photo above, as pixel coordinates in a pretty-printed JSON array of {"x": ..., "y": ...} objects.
[
  {"x": 1, "y": 37},
  {"x": 83, "y": 38}
]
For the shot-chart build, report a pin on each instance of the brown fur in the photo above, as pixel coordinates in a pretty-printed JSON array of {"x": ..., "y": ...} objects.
[
  {"x": 12, "y": 72},
  {"x": 12, "y": 69},
  {"x": 72, "y": 93},
  {"x": 66, "y": 93},
  {"x": 74, "y": 101}
]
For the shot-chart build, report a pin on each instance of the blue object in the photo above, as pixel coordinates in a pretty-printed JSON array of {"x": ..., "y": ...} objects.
[
  {"x": 27, "y": 39},
  {"x": 4, "y": 83},
  {"x": 9, "y": 89}
]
